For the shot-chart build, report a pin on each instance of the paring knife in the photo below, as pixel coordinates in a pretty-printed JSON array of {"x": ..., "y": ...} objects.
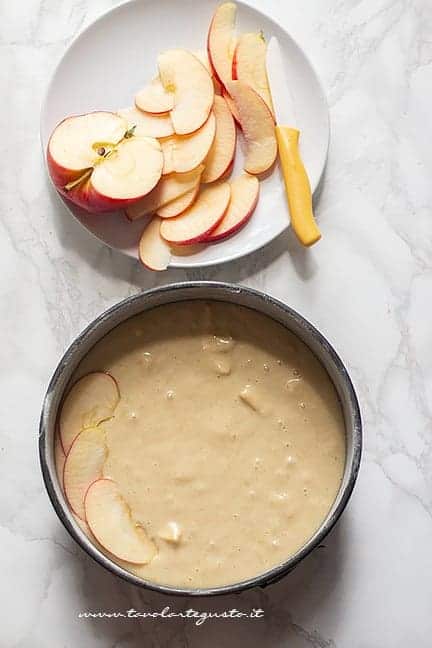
[{"x": 295, "y": 176}]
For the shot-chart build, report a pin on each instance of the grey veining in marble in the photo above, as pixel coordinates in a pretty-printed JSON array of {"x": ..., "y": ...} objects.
[{"x": 367, "y": 286}]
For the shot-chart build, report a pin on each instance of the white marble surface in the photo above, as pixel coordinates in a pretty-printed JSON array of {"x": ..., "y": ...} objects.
[{"x": 367, "y": 286}]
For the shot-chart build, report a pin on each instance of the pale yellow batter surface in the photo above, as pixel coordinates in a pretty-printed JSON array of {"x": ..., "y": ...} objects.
[{"x": 228, "y": 440}]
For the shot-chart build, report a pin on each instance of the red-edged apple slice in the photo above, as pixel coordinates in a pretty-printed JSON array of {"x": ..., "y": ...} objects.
[
  {"x": 249, "y": 65},
  {"x": 182, "y": 153},
  {"x": 231, "y": 106},
  {"x": 169, "y": 188},
  {"x": 146, "y": 124},
  {"x": 84, "y": 464},
  {"x": 198, "y": 221},
  {"x": 257, "y": 125},
  {"x": 183, "y": 74},
  {"x": 222, "y": 152},
  {"x": 244, "y": 199},
  {"x": 91, "y": 400},
  {"x": 177, "y": 207},
  {"x": 154, "y": 98},
  {"x": 101, "y": 166},
  {"x": 220, "y": 42},
  {"x": 154, "y": 251},
  {"x": 110, "y": 521},
  {"x": 59, "y": 458}
]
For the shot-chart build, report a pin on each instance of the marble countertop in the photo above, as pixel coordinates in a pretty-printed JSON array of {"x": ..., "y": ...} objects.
[{"x": 367, "y": 286}]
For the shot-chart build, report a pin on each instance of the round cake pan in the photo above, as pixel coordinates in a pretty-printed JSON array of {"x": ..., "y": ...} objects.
[{"x": 203, "y": 290}]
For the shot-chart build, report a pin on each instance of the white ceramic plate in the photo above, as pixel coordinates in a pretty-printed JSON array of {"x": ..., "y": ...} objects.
[{"x": 116, "y": 55}]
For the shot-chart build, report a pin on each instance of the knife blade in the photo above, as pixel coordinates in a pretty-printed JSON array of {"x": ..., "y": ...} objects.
[{"x": 296, "y": 180}]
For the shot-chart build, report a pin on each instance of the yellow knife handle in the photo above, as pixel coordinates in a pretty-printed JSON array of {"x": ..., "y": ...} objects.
[{"x": 297, "y": 186}]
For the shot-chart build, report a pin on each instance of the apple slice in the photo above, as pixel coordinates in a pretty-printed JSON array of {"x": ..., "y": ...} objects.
[
  {"x": 182, "y": 153},
  {"x": 220, "y": 41},
  {"x": 59, "y": 458},
  {"x": 84, "y": 464},
  {"x": 183, "y": 74},
  {"x": 222, "y": 152},
  {"x": 101, "y": 166},
  {"x": 202, "y": 56},
  {"x": 146, "y": 124},
  {"x": 231, "y": 106},
  {"x": 244, "y": 199},
  {"x": 110, "y": 521},
  {"x": 154, "y": 251},
  {"x": 249, "y": 65},
  {"x": 257, "y": 125},
  {"x": 91, "y": 400},
  {"x": 198, "y": 221},
  {"x": 169, "y": 188},
  {"x": 154, "y": 98},
  {"x": 178, "y": 206}
]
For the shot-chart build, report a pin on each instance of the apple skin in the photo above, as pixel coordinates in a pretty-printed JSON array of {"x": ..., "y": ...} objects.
[
  {"x": 84, "y": 194},
  {"x": 209, "y": 53},
  {"x": 233, "y": 230},
  {"x": 202, "y": 238}
]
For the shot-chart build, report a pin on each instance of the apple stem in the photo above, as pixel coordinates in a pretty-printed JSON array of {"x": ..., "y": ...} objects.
[
  {"x": 75, "y": 183},
  {"x": 130, "y": 132}
]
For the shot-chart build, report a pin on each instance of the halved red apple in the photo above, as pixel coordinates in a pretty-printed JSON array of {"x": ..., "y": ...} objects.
[
  {"x": 222, "y": 152},
  {"x": 98, "y": 164},
  {"x": 196, "y": 223},
  {"x": 257, "y": 125},
  {"x": 110, "y": 521},
  {"x": 84, "y": 464},
  {"x": 178, "y": 206},
  {"x": 154, "y": 251},
  {"x": 154, "y": 98},
  {"x": 169, "y": 188},
  {"x": 182, "y": 153},
  {"x": 187, "y": 78},
  {"x": 221, "y": 41},
  {"x": 244, "y": 199},
  {"x": 249, "y": 65},
  {"x": 91, "y": 400},
  {"x": 146, "y": 124}
]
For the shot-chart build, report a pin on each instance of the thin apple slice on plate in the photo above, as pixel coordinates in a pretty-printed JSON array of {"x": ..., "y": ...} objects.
[
  {"x": 146, "y": 124},
  {"x": 154, "y": 98},
  {"x": 221, "y": 155},
  {"x": 231, "y": 106},
  {"x": 178, "y": 206},
  {"x": 249, "y": 65},
  {"x": 169, "y": 188},
  {"x": 257, "y": 125},
  {"x": 91, "y": 400},
  {"x": 184, "y": 75},
  {"x": 182, "y": 153},
  {"x": 220, "y": 41},
  {"x": 84, "y": 464},
  {"x": 244, "y": 199},
  {"x": 110, "y": 521},
  {"x": 101, "y": 166},
  {"x": 196, "y": 223},
  {"x": 154, "y": 251}
]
